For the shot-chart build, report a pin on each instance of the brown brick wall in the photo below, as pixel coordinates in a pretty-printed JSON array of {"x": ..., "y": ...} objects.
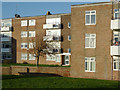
[
  {"x": 16, "y": 70},
  {"x": 103, "y": 42},
  {"x": 40, "y": 20}
]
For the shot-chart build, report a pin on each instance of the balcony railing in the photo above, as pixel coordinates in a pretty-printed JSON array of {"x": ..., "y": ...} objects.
[
  {"x": 5, "y": 39},
  {"x": 5, "y": 49},
  {"x": 115, "y": 24},
  {"x": 51, "y": 38},
  {"x": 57, "y": 51},
  {"x": 51, "y": 26},
  {"x": 6, "y": 28}
]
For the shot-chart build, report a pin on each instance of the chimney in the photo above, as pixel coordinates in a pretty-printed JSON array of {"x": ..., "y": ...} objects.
[
  {"x": 48, "y": 13},
  {"x": 17, "y": 16}
]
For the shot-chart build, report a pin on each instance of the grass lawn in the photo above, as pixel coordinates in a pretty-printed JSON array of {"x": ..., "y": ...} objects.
[{"x": 13, "y": 81}]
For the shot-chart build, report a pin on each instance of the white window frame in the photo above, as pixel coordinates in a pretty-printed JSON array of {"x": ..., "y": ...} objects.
[
  {"x": 31, "y": 57},
  {"x": 23, "y": 56},
  {"x": 69, "y": 50},
  {"x": 117, "y": 61},
  {"x": 88, "y": 59},
  {"x": 24, "y": 21},
  {"x": 69, "y": 25},
  {"x": 32, "y": 35},
  {"x": 67, "y": 60},
  {"x": 32, "y": 23},
  {"x": 90, "y": 40},
  {"x": 90, "y": 17},
  {"x": 31, "y": 45},
  {"x": 24, "y": 34},
  {"x": 118, "y": 11},
  {"x": 23, "y": 45},
  {"x": 69, "y": 38}
]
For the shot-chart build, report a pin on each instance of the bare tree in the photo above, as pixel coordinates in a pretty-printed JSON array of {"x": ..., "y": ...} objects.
[{"x": 42, "y": 46}]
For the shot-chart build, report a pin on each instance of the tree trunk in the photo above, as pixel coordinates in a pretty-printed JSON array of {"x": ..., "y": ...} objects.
[{"x": 37, "y": 61}]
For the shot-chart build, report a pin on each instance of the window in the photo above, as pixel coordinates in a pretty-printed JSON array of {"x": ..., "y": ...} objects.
[
  {"x": 116, "y": 63},
  {"x": 66, "y": 59},
  {"x": 31, "y": 45},
  {"x": 90, "y": 17},
  {"x": 116, "y": 13},
  {"x": 116, "y": 38},
  {"x": 24, "y": 23},
  {"x": 56, "y": 58},
  {"x": 24, "y": 34},
  {"x": 50, "y": 57},
  {"x": 69, "y": 50},
  {"x": 23, "y": 56},
  {"x": 89, "y": 64},
  {"x": 69, "y": 37},
  {"x": 69, "y": 25},
  {"x": 90, "y": 40},
  {"x": 31, "y": 57},
  {"x": 23, "y": 45},
  {"x": 31, "y": 33},
  {"x": 31, "y": 22}
]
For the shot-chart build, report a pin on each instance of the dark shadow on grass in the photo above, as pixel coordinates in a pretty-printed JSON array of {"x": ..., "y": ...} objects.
[{"x": 27, "y": 75}]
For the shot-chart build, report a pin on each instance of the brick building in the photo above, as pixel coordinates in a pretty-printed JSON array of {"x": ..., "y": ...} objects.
[
  {"x": 53, "y": 26},
  {"x": 96, "y": 50},
  {"x": 6, "y": 39}
]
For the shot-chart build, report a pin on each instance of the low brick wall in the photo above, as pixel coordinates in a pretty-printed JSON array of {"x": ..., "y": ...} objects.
[{"x": 16, "y": 70}]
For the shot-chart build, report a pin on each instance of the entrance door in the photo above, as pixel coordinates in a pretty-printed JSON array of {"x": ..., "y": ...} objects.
[{"x": 66, "y": 59}]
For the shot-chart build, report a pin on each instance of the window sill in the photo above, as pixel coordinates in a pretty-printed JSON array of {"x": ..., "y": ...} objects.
[
  {"x": 89, "y": 24},
  {"x": 89, "y": 71},
  {"x": 90, "y": 47}
]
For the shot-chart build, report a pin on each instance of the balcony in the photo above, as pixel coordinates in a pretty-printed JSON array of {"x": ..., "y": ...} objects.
[
  {"x": 5, "y": 49},
  {"x": 115, "y": 50},
  {"x": 51, "y": 26},
  {"x": 3, "y": 39},
  {"x": 57, "y": 51},
  {"x": 51, "y": 38},
  {"x": 115, "y": 24},
  {"x": 6, "y": 28}
]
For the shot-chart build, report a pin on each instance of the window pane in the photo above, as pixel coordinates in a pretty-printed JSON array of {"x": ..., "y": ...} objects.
[
  {"x": 92, "y": 19},
  {"x": 87, "y": 12},
  {"x": 86, "y": 65},
  {"x": 92, "y": 12},
  {"x": 116, "y": 15},
  {"x": 92, "y": 42},
  {"x": 87, "y": 19},
  {"x": 92, "y": 66},
  {"x": 87, "y": 42}
]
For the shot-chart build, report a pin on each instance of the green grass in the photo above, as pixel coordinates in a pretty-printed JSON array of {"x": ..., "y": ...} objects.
[
  {"x": 40, "y": 65},
  {"x": 12, "y": 81}
]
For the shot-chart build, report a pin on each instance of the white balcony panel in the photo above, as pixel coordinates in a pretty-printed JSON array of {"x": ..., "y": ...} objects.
[
  {"x": 115, "y": 24},
  {"x": 6, "y": 28},
  {"x": 51, "y": 38},
  {"x": 5, "y": 39},
  {"x": 51, "y": 26},
  {"x": 5, "y": 49},
  {"x": 47, "y": 38},
  {"x": 115, "y": 50}
]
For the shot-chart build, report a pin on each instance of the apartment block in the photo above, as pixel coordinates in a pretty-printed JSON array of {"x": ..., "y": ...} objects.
[
  {"x": 95, "y": 41},
  {"x": 55, "y": 27},
  {"x": 6, "y": 39}
]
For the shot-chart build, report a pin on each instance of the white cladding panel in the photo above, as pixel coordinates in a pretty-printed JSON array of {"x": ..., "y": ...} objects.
[
  {"x": 53, "y": 21},
  {"x": 53, "y": 32}
]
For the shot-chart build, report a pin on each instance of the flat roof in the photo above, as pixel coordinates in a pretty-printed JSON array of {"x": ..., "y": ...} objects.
[
  {"x": 38, "y": 16},
  {"x": 91, "y": 4}
]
